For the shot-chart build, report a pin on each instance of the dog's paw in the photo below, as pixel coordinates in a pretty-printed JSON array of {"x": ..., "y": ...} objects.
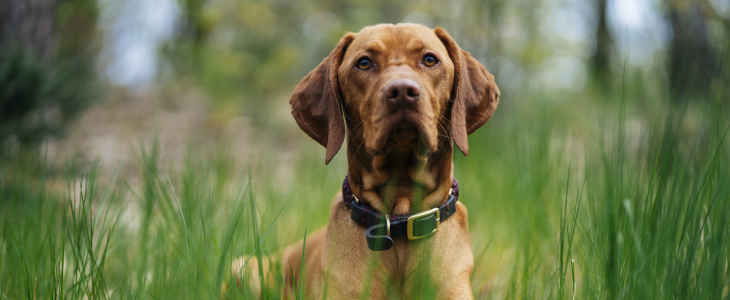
[{"x": 245, "y": 282}]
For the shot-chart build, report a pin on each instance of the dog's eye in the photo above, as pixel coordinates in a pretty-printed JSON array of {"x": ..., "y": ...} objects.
[
  {"x": 364, "y": 64},
  {"x": 430, "y": 60}
]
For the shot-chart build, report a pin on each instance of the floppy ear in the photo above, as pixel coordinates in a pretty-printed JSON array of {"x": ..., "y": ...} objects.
[
  {"x": 474, "y": 95},
  {"x": 315, "y": 104}
]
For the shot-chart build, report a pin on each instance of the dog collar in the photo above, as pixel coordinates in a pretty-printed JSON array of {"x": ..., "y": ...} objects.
[{"x": 381, "y": 228}]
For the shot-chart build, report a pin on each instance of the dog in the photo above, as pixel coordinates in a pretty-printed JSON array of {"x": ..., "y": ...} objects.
[{"x": 402, "y": 95}]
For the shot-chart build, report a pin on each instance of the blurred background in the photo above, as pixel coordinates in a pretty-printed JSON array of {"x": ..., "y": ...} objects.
[
  {"x": 225, "y": 61},
  {"x": 192, "y": 95}
]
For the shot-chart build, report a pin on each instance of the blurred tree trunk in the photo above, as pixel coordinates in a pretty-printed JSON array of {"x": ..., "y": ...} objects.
[
  {"x": 720, "y": 89},
  {"x": 600, "y": 61},
  {"x": 693, "y": 63},
  {"x": 193, "y": 29},
  {"x": 495, "y": 9},
  {"x": 28, "y": 25}
]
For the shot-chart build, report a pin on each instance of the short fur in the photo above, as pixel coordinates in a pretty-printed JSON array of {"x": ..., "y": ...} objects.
[{"x": 392, "y": 156}]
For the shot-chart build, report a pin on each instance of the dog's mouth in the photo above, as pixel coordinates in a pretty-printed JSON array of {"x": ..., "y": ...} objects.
[{"x": 405, "y": 136}]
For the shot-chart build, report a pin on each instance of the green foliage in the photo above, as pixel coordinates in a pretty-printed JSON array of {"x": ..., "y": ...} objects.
[
  {"x": 20, "y": 78},
  {"x": 75, "y": 22},
  {"x": 40, "y": 96},
  {"x": 250, "y": 54},
  {"x": 38, "y": 99}
]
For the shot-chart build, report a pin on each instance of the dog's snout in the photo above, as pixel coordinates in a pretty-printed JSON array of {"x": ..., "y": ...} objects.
[{"x": 402, "y": 92}]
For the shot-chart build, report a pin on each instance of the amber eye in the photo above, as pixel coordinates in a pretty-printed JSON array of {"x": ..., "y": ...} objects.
[
  {"x": 364, "y": 64},
  {"x": 430, "y": 60}
]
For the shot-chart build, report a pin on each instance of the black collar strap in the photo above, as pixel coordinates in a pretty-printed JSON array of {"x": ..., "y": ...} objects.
[{"x": 381, "y": 228}]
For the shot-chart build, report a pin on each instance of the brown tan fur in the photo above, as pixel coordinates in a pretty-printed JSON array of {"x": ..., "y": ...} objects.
[{"x": 392, "y": 156}]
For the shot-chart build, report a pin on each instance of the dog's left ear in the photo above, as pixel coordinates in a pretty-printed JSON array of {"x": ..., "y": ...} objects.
[
  {"x": 316, "y": 101},
  {"x": 474, "y": 95}
]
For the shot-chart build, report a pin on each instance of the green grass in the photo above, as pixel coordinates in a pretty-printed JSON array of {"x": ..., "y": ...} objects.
[{"x": 566, "y": 201}]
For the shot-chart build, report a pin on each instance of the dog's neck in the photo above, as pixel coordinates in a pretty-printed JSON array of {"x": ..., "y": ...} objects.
[{"x": 399, "y": 183}]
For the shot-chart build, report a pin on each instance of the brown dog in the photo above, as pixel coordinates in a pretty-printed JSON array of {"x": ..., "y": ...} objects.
[{"x": 400, "y": 94}]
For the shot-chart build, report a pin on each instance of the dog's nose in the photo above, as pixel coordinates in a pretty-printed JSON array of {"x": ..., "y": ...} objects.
[{"x": 402, "y": 92}]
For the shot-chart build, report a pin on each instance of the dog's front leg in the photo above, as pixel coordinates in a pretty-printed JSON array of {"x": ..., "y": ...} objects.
[
  {"x": 351, "y": 270},
  {"x": 455, "y": 259}
]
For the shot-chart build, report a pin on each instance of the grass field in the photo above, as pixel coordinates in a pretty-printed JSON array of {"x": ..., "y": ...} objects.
[{"x": 624, "y": 198}]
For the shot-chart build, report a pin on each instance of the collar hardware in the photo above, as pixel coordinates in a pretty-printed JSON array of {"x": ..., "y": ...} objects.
[
  {"x": 387, "y": 223},
  {"x": 426, "y": 214}
]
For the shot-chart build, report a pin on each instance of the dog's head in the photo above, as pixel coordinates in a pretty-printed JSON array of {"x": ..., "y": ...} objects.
[{"x": 403, "y": 87}]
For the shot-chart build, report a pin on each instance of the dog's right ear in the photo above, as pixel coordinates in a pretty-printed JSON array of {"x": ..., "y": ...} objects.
[
  {"x": 475, "y": 95},
  {"x": 316, "y": 102}
]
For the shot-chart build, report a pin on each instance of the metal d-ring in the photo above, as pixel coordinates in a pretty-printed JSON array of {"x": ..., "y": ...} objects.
[{"x": 387, "y": 223}]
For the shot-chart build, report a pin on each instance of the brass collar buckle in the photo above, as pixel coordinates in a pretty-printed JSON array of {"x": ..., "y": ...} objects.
[{"x": 423, "y": 215}]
